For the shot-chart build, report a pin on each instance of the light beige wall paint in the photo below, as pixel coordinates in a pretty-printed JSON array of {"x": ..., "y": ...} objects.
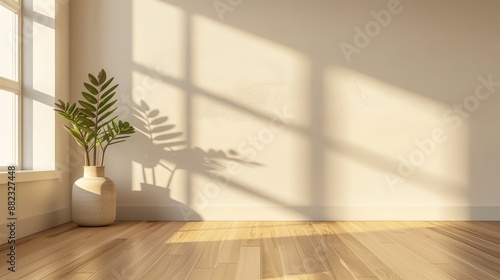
[
  {"x": 43, "y": 199},
  {"x": 321, "y": 114}
]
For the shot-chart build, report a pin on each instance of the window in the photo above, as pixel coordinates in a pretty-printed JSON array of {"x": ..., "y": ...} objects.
[{"x": 10, "y": 83}]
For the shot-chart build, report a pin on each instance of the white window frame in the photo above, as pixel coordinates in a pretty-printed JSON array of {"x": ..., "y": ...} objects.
[{"x": 13, "y": 86}]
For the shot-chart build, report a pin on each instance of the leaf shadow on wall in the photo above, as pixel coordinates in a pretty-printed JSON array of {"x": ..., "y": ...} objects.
[{"x": 162, "y": 146}]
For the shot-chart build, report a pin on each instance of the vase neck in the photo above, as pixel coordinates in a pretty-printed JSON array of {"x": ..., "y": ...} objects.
[{"x": 93, "y": 171}]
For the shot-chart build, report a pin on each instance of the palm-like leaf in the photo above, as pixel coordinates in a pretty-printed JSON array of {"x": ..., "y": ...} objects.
[{"x": 93, "y": 121}]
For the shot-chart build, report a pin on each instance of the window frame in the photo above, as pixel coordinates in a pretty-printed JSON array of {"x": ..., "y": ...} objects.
[{"x": 16, "y": 86}]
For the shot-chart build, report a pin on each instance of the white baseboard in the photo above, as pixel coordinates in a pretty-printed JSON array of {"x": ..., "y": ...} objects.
[
  {"x": 300, "y": 213},
  {"x": 34, "y": 224}
]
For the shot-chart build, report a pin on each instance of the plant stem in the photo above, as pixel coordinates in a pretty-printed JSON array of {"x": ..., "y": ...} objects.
[
  {"x": 85, "y": 148},
  {"x": 96, "y": 124},
  {"x": 103, "y": 152},
  {"x": 86, "y": 158}
]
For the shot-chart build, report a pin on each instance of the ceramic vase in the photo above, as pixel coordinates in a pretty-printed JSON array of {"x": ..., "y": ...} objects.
[{"x": 93, "y": 198}]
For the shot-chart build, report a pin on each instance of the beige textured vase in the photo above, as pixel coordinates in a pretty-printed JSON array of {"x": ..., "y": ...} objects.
[{"x": 93, "y": 198}]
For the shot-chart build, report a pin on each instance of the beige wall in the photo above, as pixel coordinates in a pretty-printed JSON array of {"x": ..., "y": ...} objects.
[
  {"x": 43, "y": 195},
  {"x": 299, "y": 109}
]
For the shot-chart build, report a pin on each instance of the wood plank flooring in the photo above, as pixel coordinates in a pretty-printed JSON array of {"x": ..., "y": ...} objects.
[{"x": 260, "y": 250}]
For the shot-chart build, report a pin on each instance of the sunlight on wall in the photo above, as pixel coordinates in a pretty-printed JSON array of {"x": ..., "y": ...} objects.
[
  {"x": 388, "y": 143},
  {"x": 250, "y": 94},
  {"x": 158, "y": 37},
  {"x": 158, "y": 51},
  {"x": 137, "y": 176},
  {"x": 256, "y": 91},
  {"x": 160, "y": 127},
  {"x": 245, "y": 71},
  {"x": 156, "y": 176}
]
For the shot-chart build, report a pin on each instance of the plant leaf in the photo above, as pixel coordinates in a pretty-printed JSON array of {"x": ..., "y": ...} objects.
[
  {"x": 106, "y": 107},
  {"x": 106, "y": 122},
  {"x": 106, "y": 84},
  {"x": 101, "y": 118},
  {"x": 90, "y": 98},
  {"x": 105, "y": 100},
  {"x": 112, "y": 143},
  {"x": 61, "y": 112},
  {"x": 93, "y": 80},
  {"x": 75, "y": 135},
  {"x": 91, "y": 88},
  {"x": 60, "y": 105},
  {"x": 101, "y": 77},
  {"x": 87, "y": 122},
  {"x": 87, "y": 113},
  {"x": 72, "y": 108},
  {"x": 109, "y": 91},
  {"x": 87, "y": 106}
]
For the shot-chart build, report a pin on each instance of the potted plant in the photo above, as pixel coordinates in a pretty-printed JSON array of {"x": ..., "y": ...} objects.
[{"x": 95, "y": 127}]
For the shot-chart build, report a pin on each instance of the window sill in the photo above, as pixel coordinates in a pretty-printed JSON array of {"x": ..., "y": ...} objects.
[{"x": 30, "y": 176}]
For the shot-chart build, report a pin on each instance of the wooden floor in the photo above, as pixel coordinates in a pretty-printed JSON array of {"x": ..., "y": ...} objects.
[{"x": 261, "y": 250}]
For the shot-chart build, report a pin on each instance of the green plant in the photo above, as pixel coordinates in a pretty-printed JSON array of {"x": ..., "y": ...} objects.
[{"x": 92, "y": 121}]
